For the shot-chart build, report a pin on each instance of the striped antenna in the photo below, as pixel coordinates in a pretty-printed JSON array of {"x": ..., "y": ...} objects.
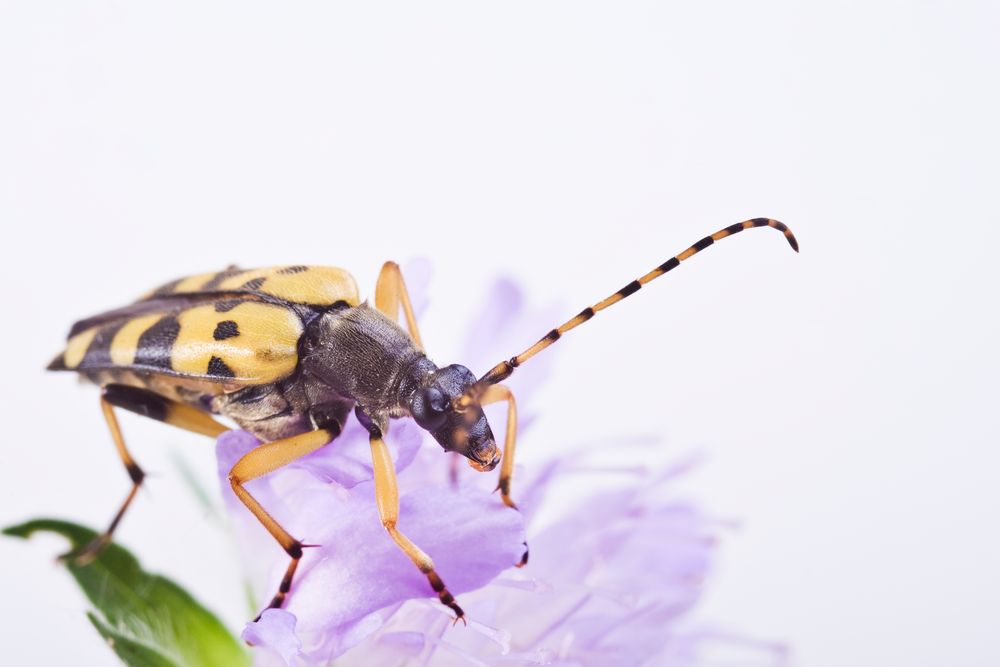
[{"x": 504, "y": 369}]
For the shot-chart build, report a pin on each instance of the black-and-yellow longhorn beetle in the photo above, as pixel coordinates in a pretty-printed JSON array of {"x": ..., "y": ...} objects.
[{"x": 287, "y": 353}]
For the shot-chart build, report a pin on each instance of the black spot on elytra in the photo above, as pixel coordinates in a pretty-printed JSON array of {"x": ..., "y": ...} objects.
[
  {"x": 253, "y": 285},
  {"x": 226, "y": 305},
  {"x": 218, "y": 368},
  {"x": 216, "y": 280},
  {"x": 298, "y": 268},
  {"x": 226, "y": 329}
]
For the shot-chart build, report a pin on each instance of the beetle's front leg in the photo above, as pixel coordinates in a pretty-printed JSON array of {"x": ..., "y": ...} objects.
[
  {"x": 495, "y": 394},
  {"x": 390, "y": 294}
]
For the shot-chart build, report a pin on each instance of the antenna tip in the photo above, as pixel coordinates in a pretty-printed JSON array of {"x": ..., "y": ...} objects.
[
  {"x": 783, "y": 228},
  {"x": 769, "y": 222}
]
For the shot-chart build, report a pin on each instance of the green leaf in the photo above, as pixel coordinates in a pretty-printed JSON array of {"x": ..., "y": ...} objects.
[
  {"x": 129, "y": 650},
  {"x": 147, "y": 619}
]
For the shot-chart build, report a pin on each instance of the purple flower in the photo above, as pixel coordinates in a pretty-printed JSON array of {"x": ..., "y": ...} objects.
[
  {"x": 609, "y": 583},
  {"x": 357, "y": 570}
]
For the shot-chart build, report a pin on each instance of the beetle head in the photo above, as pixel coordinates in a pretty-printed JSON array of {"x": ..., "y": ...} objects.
[{"x": 466, "y": 432}]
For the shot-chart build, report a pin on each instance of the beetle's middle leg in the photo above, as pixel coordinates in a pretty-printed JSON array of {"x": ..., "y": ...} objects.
[
  {"x": 147, "y": 404},
  {"x": 263, "y": 460},
  {"x": 390, "y": 294},
  {"x": 495, "y": 394},
  {"x": 387, "y": 499}
]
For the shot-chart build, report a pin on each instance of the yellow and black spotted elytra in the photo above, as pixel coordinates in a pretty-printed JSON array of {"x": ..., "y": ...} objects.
[{"x": 288, "y": 353}]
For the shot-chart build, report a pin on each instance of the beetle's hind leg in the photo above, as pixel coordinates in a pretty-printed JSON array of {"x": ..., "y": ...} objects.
[
  {"x": 87, "y": 553},
  {"x": 390, "y": 294},
  {"x": 147, "y": 404},
  {"x": 263, "y": 460}
]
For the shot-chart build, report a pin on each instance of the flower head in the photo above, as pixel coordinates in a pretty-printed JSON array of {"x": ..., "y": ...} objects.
[{"x": 356, "y": 570}]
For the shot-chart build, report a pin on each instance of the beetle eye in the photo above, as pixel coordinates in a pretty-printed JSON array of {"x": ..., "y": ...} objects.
[
  {"x": 435, "y": 400},
  {"x": 429, "y": 408}
]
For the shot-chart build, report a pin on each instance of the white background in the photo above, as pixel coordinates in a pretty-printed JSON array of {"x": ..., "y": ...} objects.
[{"x": 847, "y": 395}]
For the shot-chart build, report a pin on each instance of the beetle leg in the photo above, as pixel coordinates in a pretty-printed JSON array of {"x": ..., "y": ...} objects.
[
  {"x": 390, "y": 294},
  {"x": 87, "y": 553},
  {"x": 263, "y": 460},
  {"x": 387, "y": 499},
  {"x": 454, "y": 467},
  {"x": 147, "y": 404},
  {"x": 495, "y": 394}
]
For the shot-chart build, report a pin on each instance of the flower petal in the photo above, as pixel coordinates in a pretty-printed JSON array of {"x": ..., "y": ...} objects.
[
  {"x": 347, "y": 461},
  {"x": 275, "y": 631},
  {"x": 501, "y": 328},
  {"x": 359, "y": 570},
  {"x": 417, "y": 272}
]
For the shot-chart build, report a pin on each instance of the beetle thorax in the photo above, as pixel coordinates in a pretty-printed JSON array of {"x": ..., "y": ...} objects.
[{"x": 364, "y": 356}]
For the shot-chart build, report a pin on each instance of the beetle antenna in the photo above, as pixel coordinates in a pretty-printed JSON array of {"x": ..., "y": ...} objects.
[{"x": 504, "y": 369}]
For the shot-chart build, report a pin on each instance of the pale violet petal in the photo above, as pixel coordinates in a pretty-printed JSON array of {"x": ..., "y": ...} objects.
[{"x": 275, "y": 631}]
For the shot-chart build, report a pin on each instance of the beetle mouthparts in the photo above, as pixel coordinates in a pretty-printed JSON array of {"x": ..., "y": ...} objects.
[{"x": 486, "y": 466}]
